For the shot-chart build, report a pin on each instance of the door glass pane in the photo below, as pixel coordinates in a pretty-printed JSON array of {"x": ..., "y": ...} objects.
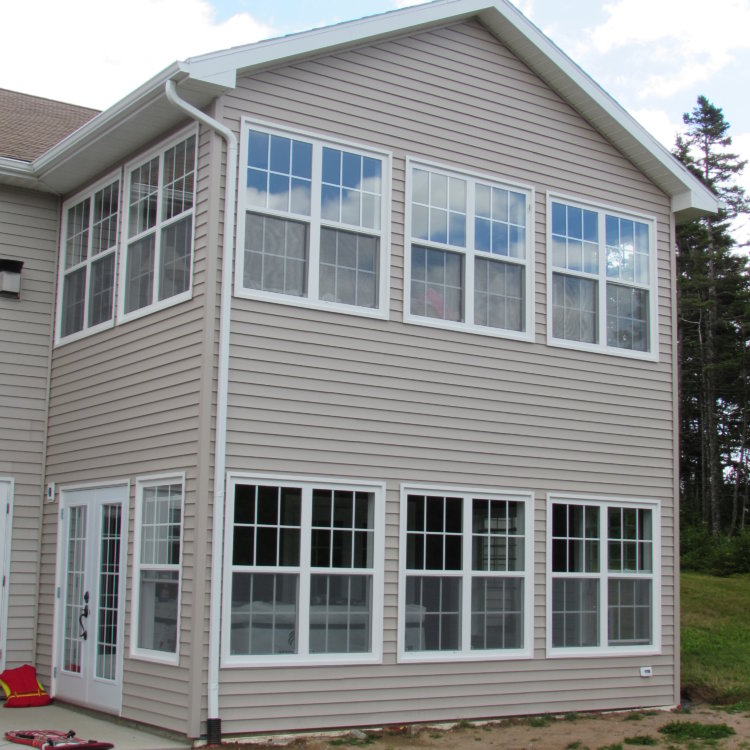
[
  {"x": 109, "y": 585},
  {"x": 74, "y": 589}
]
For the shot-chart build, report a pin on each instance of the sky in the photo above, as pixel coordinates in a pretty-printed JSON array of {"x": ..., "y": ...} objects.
[{"x": 655, "y": 57}]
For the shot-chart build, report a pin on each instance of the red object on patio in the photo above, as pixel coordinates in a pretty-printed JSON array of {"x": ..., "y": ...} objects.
[
  {"x": 52, "y": 739},
  {"x": 22, "y": 688}
]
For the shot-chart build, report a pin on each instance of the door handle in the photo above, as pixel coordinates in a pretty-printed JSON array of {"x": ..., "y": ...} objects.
[{"x": 85, "y": 613}]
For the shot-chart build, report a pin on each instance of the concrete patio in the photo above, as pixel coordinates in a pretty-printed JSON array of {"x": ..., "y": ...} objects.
[{"x": 123, "y": 735}]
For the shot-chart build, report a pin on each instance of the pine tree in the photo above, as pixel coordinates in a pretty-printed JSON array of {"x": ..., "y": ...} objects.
[{"x": 713, "y": 305}]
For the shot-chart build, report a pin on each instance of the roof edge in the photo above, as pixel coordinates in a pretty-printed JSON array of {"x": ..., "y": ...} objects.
[{"x": 19, "y": 174}]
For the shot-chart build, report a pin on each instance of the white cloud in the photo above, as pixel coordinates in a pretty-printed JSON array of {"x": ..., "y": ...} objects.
[
  {"x": 741, "y": 146},
  {"x": 689, "y": 40},
  {"x": 94, "y": 52},
  {"x": 659, "y": 124}
]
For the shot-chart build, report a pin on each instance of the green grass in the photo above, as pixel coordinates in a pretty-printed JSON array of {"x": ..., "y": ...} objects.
[
  {"x": 715, "y": 638},
  {"x": 685, "y": 731}
]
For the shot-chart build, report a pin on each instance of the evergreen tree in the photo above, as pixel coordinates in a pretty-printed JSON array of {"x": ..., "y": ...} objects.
[{"x": 713, "y": 328}]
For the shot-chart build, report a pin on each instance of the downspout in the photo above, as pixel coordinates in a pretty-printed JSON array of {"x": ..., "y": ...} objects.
[{"x": 213, "y": 724}]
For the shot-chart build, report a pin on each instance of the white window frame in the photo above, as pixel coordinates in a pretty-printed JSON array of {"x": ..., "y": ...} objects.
[
  {"x": 469, "y": 253},
  {"x": 314, "y": 223},
  {"x": 604, "y": 574},
  {"x": 129, "y": 167},
  {"x": 305, "y": 570},
  {"x": 88, "y": 195},
  {"x": 466, "y": 653},
  {"x": 601, "y": 279},
  {"x": 136, "y": 652}
]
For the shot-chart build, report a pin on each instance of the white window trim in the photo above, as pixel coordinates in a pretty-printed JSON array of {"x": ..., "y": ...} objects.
[
  {"x": 142, "y": 653},
  {"x": 466, "y": 574},
  {"x": 376, "y": 655},
  {"x": 602, "y": 347},
  {"x": 468, "y": 252},
  {"x": 156, "y": 305},
  {"x": 82, "y": 195},
  {"x": 5, "y": 547},
  {"x": 313, "y": 260},
  {"x": 604, "y": 502}
]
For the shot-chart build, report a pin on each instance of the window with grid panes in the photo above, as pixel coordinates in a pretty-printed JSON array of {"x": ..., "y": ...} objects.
[
  {"x": 303, "y": 570},
  {"x": 88, "y": 255},
  {"x": 602, "y": 279},
  {"x": 314, "y": 221},
  {"x": 602, "y": 561},
  {"x": 465, "y": 573},
  {"x": 157, "y": 577},
  {"x": 157, "y": 266},
  {"x": 470, "y": 258}
]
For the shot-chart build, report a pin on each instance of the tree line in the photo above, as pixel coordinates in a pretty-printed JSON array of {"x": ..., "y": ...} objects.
[{"x": 713, "y": 328}]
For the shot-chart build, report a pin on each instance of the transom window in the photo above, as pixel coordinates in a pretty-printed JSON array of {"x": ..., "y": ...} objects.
[
  {"x": 470, "y": 258},
  {"x": 313, "y": 224},
  {"x": 160, "y": 194},
  {"x": 466, "y": 570},
  {"x": 306, "y": 572},
  {"x": 87, "y": 262},
  {"x": 603, "y": 561},
  {"x": 157, "y": 568},
  {"x": 602, "y": 279}
]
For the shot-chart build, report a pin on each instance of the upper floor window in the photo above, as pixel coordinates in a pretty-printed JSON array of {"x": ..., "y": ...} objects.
[
  {"x": 604, "y": 576},
  {"x": 87, "y": 261},
  {"x": 602, "y": 279},
  {"x": 156, "y": 269},
  {"x": 469, "y": 255},
  {"x": 304, "y": 572},
  {"x": 466, "y": 574},
  {"x": 313, "y": 223}
]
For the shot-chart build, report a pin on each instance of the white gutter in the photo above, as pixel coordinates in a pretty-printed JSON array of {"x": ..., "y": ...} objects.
[{"x": 227, "y": 263}]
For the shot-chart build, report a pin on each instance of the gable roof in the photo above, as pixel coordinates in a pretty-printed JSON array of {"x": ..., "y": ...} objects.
[
  {"x": 145, "y": 113},
  {"x": 31, "y": 125}
]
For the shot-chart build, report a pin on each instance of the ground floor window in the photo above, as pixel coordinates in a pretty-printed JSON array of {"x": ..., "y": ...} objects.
[
  {"x": 466, "y": 572},
  {"x": 305, "y": 562},
  {"x": 603, "y": 575}
]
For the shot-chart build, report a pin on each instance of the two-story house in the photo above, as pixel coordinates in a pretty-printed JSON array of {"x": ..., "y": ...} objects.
[{"x": 362, "y": 387}]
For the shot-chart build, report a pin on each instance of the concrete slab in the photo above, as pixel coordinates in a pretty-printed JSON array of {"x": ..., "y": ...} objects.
[{"x": 123, "y": 735}]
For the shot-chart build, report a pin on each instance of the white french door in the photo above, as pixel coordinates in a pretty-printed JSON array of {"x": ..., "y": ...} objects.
[
  {"x": 91, "y": 596},
  {"x": 6, "y": 522}
]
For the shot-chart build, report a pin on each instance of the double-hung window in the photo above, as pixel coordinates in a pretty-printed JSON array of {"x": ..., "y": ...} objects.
[
  {"x": 157, "y": 563},
  {"x": 469, "y": 254},
  {"x": 313, "y": 223},
  {"x": 602, "y": 279},
  {"x": 87, "y": 261},
  {"x": 305, "y": 564},
  {"x": 466, "y": 574},
  {"x": 156, "y": 270},
  {"x": 604, "y": 580}
]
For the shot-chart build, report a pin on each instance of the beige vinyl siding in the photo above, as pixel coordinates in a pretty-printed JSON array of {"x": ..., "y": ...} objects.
[
  {"x": 125, "y": 403},
  {"x": 28, "y": 232},
  {"x": 322, "y": 394}
]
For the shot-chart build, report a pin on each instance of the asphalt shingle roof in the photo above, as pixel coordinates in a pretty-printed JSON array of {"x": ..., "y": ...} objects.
[{"x": 30, "y": 125}]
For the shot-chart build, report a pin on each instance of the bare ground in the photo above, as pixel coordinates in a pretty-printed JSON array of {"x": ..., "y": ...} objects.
[{"x": 628, "y": 730}]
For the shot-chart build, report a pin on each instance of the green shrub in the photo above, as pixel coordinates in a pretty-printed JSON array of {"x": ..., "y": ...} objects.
[{"x": 719, "y": 555}]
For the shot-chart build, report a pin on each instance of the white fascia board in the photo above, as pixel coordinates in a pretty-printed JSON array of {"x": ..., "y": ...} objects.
[
  {"x": 97, "y": 127},
  {"x": 19, "y": 174},
  {"x": 597, "y": 106}
]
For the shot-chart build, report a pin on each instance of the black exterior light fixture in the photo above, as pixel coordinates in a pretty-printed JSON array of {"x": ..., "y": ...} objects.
[{"x": 10, "y": 278}]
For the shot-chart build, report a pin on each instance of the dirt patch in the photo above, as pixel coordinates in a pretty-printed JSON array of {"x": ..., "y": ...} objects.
[{"x": 614, "y": 731}]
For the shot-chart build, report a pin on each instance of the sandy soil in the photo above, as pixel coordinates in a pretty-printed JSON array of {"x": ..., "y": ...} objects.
[{"x": 570, "y": 732}]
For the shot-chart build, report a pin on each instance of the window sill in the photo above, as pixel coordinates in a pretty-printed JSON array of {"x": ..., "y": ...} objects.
[
  {"x": 432, "y": 657},
  {"x": 500, "y": 333},
  {"x": 589, "y": 653},
  {"x": 85, "y": 333},
  {"x": 613, "y": 351},
  {"x": 156, "y": 657},
  {"x": 123, "y": 317},
  {"x": 380, "y": 313},
  {"x": 295, "y": 660}
]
